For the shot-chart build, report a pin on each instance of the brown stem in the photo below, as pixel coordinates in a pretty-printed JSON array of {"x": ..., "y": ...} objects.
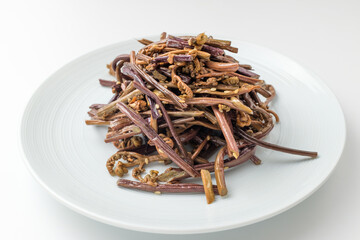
[
  {"x": 164, "y": 188},
  {"x": 219, "y": 172},
  {"x": 255, "y": 160},
  {"x": 204, "y": 124},
  {"x": 220, "y": 74},
  {"x": 97, "y": 122},
  {"x": 208, "y": 187},
  {"x": 143, "y": 57},
  {"x": 120, "y": 123},
  {"x": 223, "y": 67},
  {"x": 145, "y": 41},
  {"x": 263, "y": 92},
  {"x": 128, "y": 89},
  {"x": 177, "y": 174},
  {"x": 228, "y": 134},
  {"x": 111, "y": 107},
  {"x": 228, "y": 93},
  {"x": 207, "y": 101},
  {"x": 126, "y": 132},
  {"x": 200, "y": 147},
  {"x": 163, "y": 36},
  {"x": 208, "y": 115},
  {"x": 178, "y": 121},
  {"x": 271, "y": 89},
  {"x": 186, "y": 137}
]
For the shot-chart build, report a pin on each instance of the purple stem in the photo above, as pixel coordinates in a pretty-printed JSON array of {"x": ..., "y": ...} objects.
[
  {"x": 153, "y": 96},
  {"x": 165, "y": 71},
  {"x": 156, "y": 139},
  {"x": 124, "y": 57},
  {"x": 186, "y": 79},
  {"x": 97, "y": 106},
  {"x": 127, "y": 69},
  {"x": 177, "y": 58},
  {"x": 275, "y": 147},
  {"x": 114, "y": 97},
  {"x": 172, "y": 96},
  {"x": 247, "y": 73},
  {"x": 213, "y": 50},
  {"x": 106, "y": 83},
  {"x": 176, "y": 42},
  {"x": 144, "y": 149},
  {"x": 187, "y": 136}
]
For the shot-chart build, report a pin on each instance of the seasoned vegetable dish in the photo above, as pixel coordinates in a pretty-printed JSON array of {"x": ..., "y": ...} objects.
[{"x": 180, "y": 100}]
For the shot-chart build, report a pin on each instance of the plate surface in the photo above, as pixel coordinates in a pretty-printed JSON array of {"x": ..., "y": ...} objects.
[{"x": 68, "y": 158}]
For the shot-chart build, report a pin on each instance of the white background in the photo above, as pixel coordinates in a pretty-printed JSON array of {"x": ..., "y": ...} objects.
[{"x": 38, "y": 37}]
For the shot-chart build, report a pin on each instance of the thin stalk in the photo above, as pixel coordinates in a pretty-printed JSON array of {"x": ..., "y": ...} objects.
[
  {"x": 208, "y": 187},
  {"x": 275, "y": 147},
  {"x": 164, "y": 188},
  {"x": 219, "y": 172},
  {"x": 200, "y": 147},
  {"x": 227, "y": 132},
  {"x": 111, "y": 107},
  {"x": 156, "y": 139}
]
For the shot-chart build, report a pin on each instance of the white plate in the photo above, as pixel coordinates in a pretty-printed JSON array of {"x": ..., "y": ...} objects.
[{"x": 68, "y": 158}]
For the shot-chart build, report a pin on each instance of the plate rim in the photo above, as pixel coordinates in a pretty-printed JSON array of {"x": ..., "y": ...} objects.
[{"x": 142, "y": 228}]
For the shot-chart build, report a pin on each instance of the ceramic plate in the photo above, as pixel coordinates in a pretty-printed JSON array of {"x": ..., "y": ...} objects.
[{"x": 68, "y": 158}]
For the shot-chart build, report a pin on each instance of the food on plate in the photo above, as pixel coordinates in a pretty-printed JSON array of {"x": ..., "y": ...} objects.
[{"x": 180, "y": 100}]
